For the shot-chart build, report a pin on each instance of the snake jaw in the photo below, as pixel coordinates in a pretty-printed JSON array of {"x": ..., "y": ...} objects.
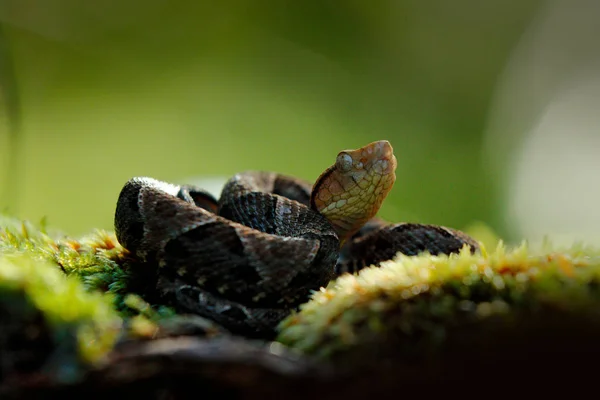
[{"x": 350, "y": 192}]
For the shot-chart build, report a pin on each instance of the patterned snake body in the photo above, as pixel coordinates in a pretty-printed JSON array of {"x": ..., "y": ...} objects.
[{"x": 250, "y": 258}]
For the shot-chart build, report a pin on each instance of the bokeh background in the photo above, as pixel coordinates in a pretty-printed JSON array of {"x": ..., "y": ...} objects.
[{"x": 492, "y": 106}]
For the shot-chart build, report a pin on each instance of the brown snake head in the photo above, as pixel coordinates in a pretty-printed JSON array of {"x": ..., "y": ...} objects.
[{"x": 350, "y": 192}]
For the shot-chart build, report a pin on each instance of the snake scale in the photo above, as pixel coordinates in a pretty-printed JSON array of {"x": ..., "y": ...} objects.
[{"x": 249, "y": 258}]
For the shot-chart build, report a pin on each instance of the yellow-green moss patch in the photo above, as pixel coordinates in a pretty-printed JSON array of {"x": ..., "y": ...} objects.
[
  {"x": 422, "y": 297},
  {"x": 96, "y": 258}
]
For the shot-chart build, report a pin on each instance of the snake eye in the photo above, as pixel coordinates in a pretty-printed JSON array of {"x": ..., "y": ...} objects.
[{"x": 344, "y": 162}]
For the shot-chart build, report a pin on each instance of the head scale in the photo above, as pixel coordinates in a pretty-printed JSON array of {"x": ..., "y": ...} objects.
[{"x": 350, "y": 192}]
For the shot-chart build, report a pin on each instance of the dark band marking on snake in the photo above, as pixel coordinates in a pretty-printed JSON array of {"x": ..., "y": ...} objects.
[{"x": 249, "y": 258}]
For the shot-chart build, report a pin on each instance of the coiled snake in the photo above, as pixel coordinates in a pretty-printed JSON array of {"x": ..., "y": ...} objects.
[{"x": 250, "y": 258}]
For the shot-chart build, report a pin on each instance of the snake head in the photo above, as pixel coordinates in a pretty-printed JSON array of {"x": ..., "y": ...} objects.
[{"x": 350, "y": 192}]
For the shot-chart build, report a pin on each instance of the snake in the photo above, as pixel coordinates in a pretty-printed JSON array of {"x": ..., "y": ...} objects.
[{"x": 249, "y": 258}]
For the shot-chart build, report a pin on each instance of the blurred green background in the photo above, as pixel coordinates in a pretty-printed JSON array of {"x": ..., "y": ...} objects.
[{"x": 111, "y": 89}]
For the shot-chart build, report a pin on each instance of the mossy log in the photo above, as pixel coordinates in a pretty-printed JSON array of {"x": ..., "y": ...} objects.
[{"x": 78, "y": 319}]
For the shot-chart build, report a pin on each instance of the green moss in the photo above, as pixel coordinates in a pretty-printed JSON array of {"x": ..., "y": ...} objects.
[
  {"x": 423, "y": 298},
  {"x": 67, "y": 308},
  {"x": 96, "y": 259},
  {"x": 73, "y": 283}
]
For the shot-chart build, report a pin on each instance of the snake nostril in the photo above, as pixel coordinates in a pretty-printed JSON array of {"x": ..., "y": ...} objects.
[{"x": 383, "y": 149}]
